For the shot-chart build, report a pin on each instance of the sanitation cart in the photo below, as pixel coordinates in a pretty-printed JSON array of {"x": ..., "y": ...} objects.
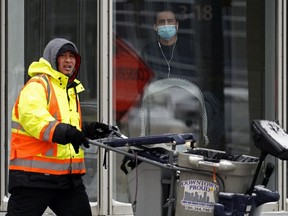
[{"x": 197, "y": 181}]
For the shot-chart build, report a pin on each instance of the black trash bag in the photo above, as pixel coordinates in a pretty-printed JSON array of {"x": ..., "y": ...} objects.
[{"x": 157, "y": 154}]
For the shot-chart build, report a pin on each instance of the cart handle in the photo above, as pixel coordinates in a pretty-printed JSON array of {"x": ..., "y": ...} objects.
[
  {"x": 176, "y": 139},
  {"x": 223, "y": 165}
]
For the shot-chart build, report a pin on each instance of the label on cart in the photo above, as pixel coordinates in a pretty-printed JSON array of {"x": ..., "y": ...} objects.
[{"x": 198, "y": 195}]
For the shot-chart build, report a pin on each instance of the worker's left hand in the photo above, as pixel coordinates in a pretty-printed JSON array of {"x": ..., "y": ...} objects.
[{"x": 97, "y": 130}]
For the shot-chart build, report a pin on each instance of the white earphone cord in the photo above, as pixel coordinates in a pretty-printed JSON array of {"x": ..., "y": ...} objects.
[{"x": 168, "y": 62}]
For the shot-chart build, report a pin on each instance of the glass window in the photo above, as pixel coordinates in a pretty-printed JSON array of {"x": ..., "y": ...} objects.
[
  {"x": 200, "y": 52},
  {"x": 76, "y": 23},
  {"x": 184, "y": 66}
]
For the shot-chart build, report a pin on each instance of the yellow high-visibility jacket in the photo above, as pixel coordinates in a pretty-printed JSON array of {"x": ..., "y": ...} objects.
[{"x": 45, "y": 101}]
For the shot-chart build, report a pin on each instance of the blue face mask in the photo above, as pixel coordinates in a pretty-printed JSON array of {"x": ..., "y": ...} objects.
[{"x": 166, "y": 31}]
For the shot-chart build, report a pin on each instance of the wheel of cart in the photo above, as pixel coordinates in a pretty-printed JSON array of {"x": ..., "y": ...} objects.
[{"x": 235, "y": 204}]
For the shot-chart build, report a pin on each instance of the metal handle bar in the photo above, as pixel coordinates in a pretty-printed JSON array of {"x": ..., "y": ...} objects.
[
  {"x": 131, "y": 155},
  {"x": 176, "y": 139},
  {"x": 223, "y": 165}
]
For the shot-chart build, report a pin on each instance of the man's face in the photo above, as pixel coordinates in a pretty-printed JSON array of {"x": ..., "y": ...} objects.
[
  {"x": 66, "y": 63},
  {"x": 166, "y": 18}
]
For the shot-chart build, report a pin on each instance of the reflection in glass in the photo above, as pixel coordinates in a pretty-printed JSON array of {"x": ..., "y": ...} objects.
[{"x": 199, "y": 42}]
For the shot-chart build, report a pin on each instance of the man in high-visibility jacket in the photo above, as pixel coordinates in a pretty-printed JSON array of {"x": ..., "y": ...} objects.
[{"x": 46, "y": 161}]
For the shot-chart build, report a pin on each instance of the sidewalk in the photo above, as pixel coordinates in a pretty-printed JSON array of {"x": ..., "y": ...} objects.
[
  {"x": 263, "y": 214},
  {"x": 46, "y": 214}
]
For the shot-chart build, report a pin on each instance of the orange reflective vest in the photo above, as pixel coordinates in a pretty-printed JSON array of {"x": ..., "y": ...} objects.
[{"x": 40, "y": 154}]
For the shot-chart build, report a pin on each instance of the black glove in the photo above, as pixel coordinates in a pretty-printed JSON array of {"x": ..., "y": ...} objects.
[
  {"x": 76, "y": 138},
  {"x": 66, "y": 133},
  {"x": 96, "y": 130}
]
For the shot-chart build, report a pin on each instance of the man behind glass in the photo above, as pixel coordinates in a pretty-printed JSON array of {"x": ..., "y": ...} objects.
[
  {"x": 170, "y": 55},
  {"x": 173, "y": 56}
]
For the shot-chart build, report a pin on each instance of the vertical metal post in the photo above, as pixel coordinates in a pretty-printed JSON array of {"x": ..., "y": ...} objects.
[
  {"x": 284, "y": 32},
  {"x": 2, "y": 103},
  {"x": 281, "y": 71},
  {"x": 104, "y": 85}
]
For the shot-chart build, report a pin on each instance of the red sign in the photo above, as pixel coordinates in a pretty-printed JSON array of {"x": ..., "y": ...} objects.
[{"x": 131, "y": 75}]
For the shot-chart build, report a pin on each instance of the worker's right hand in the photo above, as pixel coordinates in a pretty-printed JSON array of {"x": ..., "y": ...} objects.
[
  {"x": 76, "y": 138},
  {"x": 66, "y": 133}
]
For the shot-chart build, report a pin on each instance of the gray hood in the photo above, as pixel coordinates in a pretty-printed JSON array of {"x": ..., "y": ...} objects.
[{"x": 51, "y": 50}]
